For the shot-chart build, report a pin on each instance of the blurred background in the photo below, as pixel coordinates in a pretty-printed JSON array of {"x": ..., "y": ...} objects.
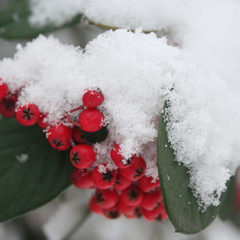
[{"x": 61, "y": 219}]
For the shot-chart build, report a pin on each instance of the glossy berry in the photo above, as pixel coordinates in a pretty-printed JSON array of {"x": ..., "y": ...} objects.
[
  {"x": 83, "y": 156},
  {"x": 28, "y": 115},
  {"x": 112, "y": 213},
  {"x": 92, "y": 98},
  {"x": 130, "y": 211},
  {"x": 94, "y": 207},
  {"x": 121, "y": 182},
  {"x": 103, "y": 178},
  {"x": 77, "y": 135},
  {"x": 3, "y": 89},
  {"x": 105, "y": 198},
  {"x": 42, "y": 121},
  {"x": 150, "y": 200},
  {"x": 148, "y": 184},
  {"x": 132, "y": 196},
  {"x": 82, "y": 179},
  {"x": 91, "y": 120},
  {"x": 135, "y": 171},
  {"x": 8, "y": 105},
  {"x": 158, "y": 213},
  {"x": 119, "y": 159},
  {"x": 60, "y": 137}
]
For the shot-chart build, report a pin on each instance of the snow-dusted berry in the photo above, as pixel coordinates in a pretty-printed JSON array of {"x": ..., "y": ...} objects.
[
  {"x": 112, "y": 213},
  {"x": 77, "y": 135},
  {"x": 8, "y": 105},
  {"x": 148, "y": 184},
  {"x": 135, "y": 171},
  {"x": 92, "y": 98},
  {"x": 83, "y": 156},
  {"x": 42, "y": 121},
  {"x": 60, "y": 137},
  {"x": 81, "y": 178},
  {"x": 3, "y": 89},
  {"x": 105, "y": 198},
  {"x": 132, "y": 196},
  {"x": 119, "y": 159},
  {"x": 121, "y": 182},
  {"x": 28, "y": 114},
  {"x": 91, "y": 120},
  {"x": 104, "y": 178}
]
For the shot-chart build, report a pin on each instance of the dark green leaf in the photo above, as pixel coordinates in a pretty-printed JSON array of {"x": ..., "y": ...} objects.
[
  {"x": 14, "y": 22},
  {"x": 30, "y": 184},
  {"x": 228, "y": 204},
  {"x": 96, "y": 137},
  {"x": 181, "y": 205}
]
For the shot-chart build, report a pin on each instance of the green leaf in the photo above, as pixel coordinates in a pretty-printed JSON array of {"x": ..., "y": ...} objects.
[
  {"x": 26, "y": 185},
  {"x": 181, "y": 205},
  {"x": 228, "y": 204},
  {"x": 14, "y": 22}
]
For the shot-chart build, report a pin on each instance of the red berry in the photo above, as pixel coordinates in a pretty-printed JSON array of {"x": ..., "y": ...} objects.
[
  {"x": 91, "y": 120},
  {"x": 119, "y": 159},
  {"x": 78, "y": 135},
  {"x": 82, "y": 179},
  {"x": 42, "y": 121},
  {"x": 92, "y": 98},
  {"x": 112, "y": 213},
  {"x": 121, "y": 182},
  {"x": 60, "y": 137},
  {"x": 103, "y": 178},
  {"x": 3, "y": 89},
  {"x": 158, "y": 213},
  {"x": 148, "y": 184},
  {"x": 136, "y": 170},
  {"x": 106, "y": 199},
  {"x": 94, "y": 207},
  {"x": 151, "y": 199},
  {"x": 8, "y": 105},
  {"x": 83, "y": 156},
  {"x": 162, "y": 211},
  {"x": 132, "y": 196},
  {"x": 28, "y": 115}
]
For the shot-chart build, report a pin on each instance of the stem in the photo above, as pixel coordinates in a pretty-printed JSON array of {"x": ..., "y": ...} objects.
[
  {"x": 79, "y": 224},
  {"x": 71, "y": 111}
]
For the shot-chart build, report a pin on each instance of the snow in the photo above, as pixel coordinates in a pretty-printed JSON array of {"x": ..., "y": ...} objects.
[
  {"x": 22, "y": 158},
  {"x": 135, "y": 71}
]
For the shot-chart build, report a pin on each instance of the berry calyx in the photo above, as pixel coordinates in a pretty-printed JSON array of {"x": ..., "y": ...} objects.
[
  {"x": 148, "y": 184},
  {"x": 28, "y": 115},
  {"x": 92, "y": 98},
  {"x": 60, "y": 137},
  {"x": 105, "y": 198},
  {"x": 121, "y": 182},
  {"x": 78, "y": 135},
  {"x": 42, "y": 121},
  {"x": 103, "y": 178},
  {"x": 119, "y": 159},
  {"x": 135, "y": 171},
  {"x": 82, "y": 179},
  {"x": 91, "y": 120},
  {"x": 3, "y": 89},
  {"x": 8, "y": 105},
  {"x": 94, "y": 207},
  {"x": 83, "y": 156},
  {"x": 112, "y": 213},
  {"x": 132, "y": 196}
]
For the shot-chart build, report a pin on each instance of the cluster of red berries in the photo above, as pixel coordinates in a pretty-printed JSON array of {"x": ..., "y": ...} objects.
[{"x": 125, "y": 191}]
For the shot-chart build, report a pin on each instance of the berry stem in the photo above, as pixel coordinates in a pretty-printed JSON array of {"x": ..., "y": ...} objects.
[{"x": 71, "y": 111}]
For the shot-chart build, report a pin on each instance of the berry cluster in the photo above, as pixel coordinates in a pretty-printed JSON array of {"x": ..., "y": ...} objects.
[{"x": 122, "y": 190}]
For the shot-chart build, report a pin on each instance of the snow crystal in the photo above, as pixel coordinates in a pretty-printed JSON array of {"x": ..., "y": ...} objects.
[{"x": 22, "y": 158}]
